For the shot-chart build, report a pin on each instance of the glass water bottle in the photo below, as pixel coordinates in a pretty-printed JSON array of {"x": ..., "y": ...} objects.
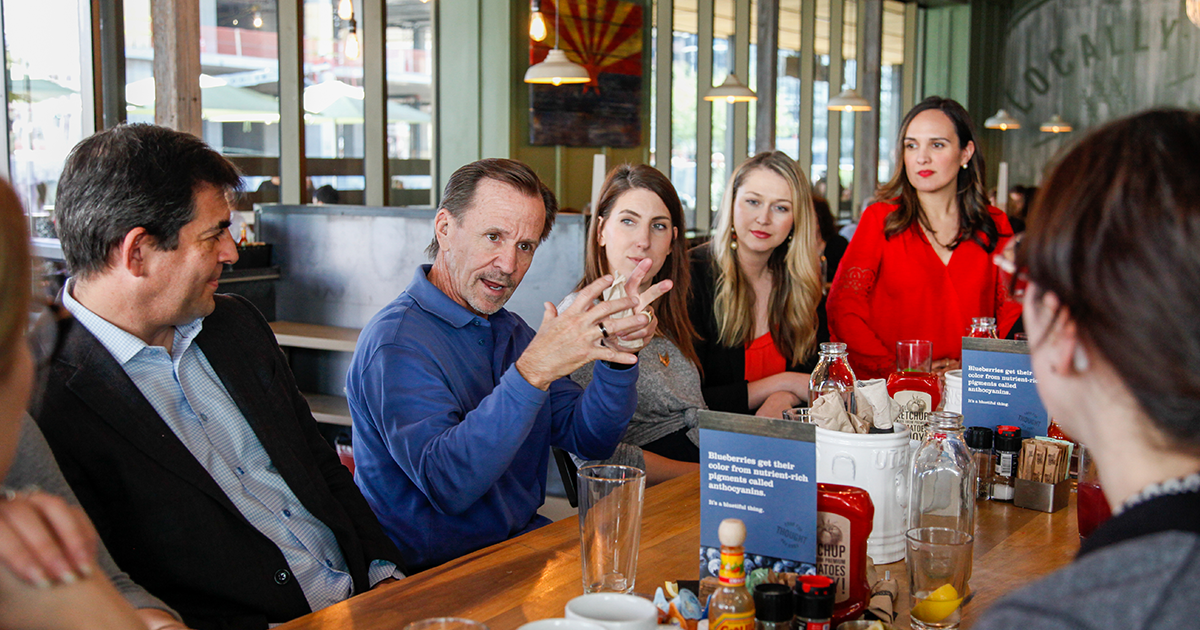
[
  {"x": 942, "y": 488},
  {"x": 983, "y": 327},
  {"x": 833, "y": 374}
]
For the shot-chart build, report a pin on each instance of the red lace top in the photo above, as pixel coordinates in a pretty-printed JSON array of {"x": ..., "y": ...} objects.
[
  {"x": 763, "y": 358},
  {"x": 886, "y": 290}
]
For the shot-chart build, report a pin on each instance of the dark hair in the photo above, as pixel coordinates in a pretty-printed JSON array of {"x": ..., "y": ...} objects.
[
  {"x": 460, "y": 190},
  {"x": 672, "y": 310},
  {"x": 825, "y": 223},
  {"x": 973, "y": 215},
  {"x": 326, "y": 194},
  {"x": 15, "y": 281},
  {"x": 132, "y": 176},
  {"x": 1114, "y": 234}
]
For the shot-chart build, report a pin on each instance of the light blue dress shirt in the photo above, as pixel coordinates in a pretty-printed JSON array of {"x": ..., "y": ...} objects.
[{"x": 189, "y": 396}]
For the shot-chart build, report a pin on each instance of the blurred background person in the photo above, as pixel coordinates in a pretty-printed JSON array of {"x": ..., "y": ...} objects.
[
  {"x": 920, "y": 263},
  {"x": 757, "y": 300},
  {"x": 638, "y": 216},
  {"x": 1112, "y": 309},
  {"x": 37, "y": 529}
]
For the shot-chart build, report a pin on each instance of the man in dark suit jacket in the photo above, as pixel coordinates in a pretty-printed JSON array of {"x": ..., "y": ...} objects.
[{"x": 172, "y": 411}]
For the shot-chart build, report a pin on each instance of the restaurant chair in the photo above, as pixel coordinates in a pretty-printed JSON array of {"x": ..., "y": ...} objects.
[{"x": 567, "y": 468}]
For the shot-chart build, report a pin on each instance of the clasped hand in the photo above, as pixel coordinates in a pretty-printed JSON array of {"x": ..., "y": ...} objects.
[{"x": 585, "y": 331}]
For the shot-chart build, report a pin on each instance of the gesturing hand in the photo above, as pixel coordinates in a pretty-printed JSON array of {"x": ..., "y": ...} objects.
[
  {"x": 633, "y": 289},
  {"x": 565, "y": 341}
]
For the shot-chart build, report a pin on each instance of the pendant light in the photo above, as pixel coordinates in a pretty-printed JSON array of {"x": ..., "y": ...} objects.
[
  {"x": 1056, "y": 124},
  {"x": 1003, "y": 121},
  {"x": 556, "y": 69},
  {"x": 352, "y": 49},
  {"x": 849, "y": 101},
  {"x": 345, "y": 10},
  {"x": 731, "y": 91}
]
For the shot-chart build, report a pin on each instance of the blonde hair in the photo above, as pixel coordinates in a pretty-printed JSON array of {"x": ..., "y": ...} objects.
[
  {"x": 795, "y": 269},
  {"x": 14, "y": 276}
]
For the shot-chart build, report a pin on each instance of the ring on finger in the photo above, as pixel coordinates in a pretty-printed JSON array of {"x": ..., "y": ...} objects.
[
  {"x": 603, "y": 330},
  {"x": 649, "y": 315}
]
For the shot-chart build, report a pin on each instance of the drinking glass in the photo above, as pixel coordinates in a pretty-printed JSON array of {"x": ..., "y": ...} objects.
[
  {"x": 1091, "y": 507},
  {"x": 914, "y": 355},
  {"x": 798, "y": 414},
  {"x": 446, "y": 623},
  {"x": 939, "y": 563},
  {"x": 610, "y": 526}
]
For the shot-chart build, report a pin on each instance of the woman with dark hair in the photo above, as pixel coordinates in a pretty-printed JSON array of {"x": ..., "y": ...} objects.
[
  {"x": 833, "y": 245},
  {"x": 1112, "y": 310},
  {"x": 920, "y": 263},
  {"x": 53, "y": 582},
  {"x": 638, "y": 217},
  {"x": 757, "y": 297}
]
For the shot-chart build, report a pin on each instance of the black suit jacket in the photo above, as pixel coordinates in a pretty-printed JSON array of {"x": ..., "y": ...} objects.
[
  {"x": 723, "y": 368},
  {"x": 165, "y": 520}
]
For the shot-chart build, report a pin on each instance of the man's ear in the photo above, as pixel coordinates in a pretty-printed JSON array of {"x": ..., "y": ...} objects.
[
  {"x": 131, "y": 253},
  {"x": 443, "y": 223}
]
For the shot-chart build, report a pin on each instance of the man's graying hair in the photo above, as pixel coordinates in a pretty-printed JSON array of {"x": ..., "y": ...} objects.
[
  {"x": 132, "y": 176},
  {"x": 460, "y": 190}
]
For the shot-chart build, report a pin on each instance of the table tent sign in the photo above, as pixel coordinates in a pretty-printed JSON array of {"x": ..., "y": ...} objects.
[
  {"x": 999, "y": 387},
  {"x": 762, "y": 471}
]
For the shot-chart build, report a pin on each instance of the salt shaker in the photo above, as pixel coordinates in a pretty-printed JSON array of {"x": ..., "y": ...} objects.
[{"x": 979, "y": 440}]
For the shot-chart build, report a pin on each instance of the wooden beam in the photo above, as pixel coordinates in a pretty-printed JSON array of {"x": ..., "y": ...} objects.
[
  {"x": 808, "y": 61},
  {"x": 372, "y": 28},
  {"x": 176, "y": 39},
  {"x": 704, "y": 83},
  {"x": 663, "y": 56},
  {"x": 866, "y": 128},
  {"x": 768, "y": 74},
  {"x": 293, "y": 189},
  {"x": 833, "y": 182},
  {"x": 740, "y": 121}
]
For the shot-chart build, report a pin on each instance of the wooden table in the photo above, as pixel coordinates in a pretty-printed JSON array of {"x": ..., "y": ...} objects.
[{"x": 533, "y": 576}]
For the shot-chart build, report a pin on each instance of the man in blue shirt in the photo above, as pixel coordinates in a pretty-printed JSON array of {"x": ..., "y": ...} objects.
[
  {"x": 172, "y": 411},
  {"x": 456, "y": 401}
]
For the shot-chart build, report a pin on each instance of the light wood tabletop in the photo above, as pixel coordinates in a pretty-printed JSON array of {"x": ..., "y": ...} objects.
[{"x": 533, "y": 576}]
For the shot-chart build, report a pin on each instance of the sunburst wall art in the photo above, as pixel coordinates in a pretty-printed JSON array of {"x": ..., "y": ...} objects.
[{"x": 604, "y": 36}]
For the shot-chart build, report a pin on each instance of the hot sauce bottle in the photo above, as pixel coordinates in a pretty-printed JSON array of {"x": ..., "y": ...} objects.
[
  {"x": 914, "y": 386},
  {"x": 731, "y": 606},
  {"x": 845, "y": 515}
]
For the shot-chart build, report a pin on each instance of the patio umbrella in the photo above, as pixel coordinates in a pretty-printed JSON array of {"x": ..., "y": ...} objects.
[
  {"x": 36, "y": 90},
  {"x": 219, "y": 102},
  {"x": 341, "y": 103}
]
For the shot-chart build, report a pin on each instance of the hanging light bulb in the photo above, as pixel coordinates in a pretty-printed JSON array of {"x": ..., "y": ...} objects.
[
  {"x": 537, "y": 23},
  {"x": 257, "y": 18},
  {"x": 345, "y": 9},
  {"x": 352, "y": 41}
]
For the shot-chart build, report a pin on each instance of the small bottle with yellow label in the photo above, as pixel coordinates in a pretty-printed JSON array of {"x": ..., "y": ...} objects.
[{"x": 732, "y": 606}]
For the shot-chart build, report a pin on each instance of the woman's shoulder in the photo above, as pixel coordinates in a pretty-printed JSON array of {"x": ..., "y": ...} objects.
[{"x": 1003, "y": 226}]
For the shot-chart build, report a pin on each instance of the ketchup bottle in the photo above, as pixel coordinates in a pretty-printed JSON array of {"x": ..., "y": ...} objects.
[{"x": 844, "y": 519}]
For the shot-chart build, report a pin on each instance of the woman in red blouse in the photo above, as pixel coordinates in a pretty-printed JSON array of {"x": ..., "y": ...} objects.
[{"x": 920, "y": 264}]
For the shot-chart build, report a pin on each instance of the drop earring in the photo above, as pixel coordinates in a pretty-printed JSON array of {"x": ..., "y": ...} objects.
[
  {"x": 733, "y": 240},
  {"x": 1079, "y": 360}
]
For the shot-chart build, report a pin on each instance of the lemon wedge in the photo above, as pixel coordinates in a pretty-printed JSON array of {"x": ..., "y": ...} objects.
[
  {"x": 939, "y": 605},
  {"x": 672, "y": 590}
]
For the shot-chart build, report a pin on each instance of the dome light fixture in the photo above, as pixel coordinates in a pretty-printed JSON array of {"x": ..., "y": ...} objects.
[
  {"x": 1056, "y": 124},
  {"x": 731, "y": 91},
  {"x": 556, "y": 69},
  {"x": 849, "y": 101},
  {"x": 1003, "y": 121}
]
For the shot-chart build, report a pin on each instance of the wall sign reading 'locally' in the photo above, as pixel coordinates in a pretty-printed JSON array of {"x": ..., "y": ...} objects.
[
  {"x": 999, "y": 387},
  {"x": 762, "y": 471}
]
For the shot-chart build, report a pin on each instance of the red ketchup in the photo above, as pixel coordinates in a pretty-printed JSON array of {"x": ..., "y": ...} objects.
[
  {"x": 844, "y": 519},
  {"x": 914, "y": 386}
]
